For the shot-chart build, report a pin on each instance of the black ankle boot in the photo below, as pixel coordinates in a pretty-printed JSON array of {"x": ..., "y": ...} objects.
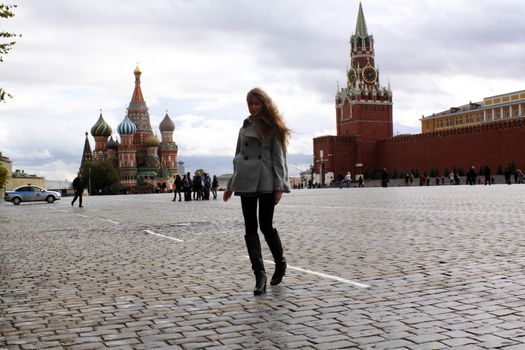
[
  {"x": 280, "y": 270},
  {"x": 260, "y": 283}
]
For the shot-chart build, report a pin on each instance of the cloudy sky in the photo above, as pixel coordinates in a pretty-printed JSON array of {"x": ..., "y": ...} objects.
[{"x": 200, "y": 57}]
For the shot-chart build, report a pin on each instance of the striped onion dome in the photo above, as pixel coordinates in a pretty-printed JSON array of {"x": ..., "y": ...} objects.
[
  {"x": 111, "y": 144},
  {"x": 151, "y": 141},
  {"x": 101, "y": 128},
  {"x": 167, "y": 124},
  {"x": 126, "y": 127}
]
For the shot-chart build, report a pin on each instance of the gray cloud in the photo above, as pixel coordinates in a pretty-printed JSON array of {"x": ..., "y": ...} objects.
[{"x": 200, "y": 57}]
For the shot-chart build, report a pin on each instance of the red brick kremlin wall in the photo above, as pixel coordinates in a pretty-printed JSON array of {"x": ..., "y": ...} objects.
[{"x": 495, "y": 144}]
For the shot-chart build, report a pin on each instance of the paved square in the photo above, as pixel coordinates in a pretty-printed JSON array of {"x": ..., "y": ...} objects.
[{"x": 372, "y": 268}]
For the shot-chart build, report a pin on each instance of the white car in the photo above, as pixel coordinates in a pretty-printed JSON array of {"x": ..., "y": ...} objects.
[{"x": 30, "y": 193}]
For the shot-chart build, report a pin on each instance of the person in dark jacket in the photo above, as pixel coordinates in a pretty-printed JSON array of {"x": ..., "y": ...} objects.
[
  {"x": 260, "y": 176},
  {"x": 177, "y": 187},
  {"x": 214, "y": 186},
  {"x": 487, "y": 174},
  {"x": 78, "y": 188},
  {"x": 384, "y": 178}
]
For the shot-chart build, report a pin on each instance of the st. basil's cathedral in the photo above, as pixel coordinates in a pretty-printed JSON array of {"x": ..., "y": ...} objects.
[{"x": 139, "y": 155}]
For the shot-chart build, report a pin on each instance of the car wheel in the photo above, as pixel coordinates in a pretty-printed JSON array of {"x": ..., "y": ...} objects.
[
  {"x": 16, "y": 201},
  {"x": 50, "y": 199}
]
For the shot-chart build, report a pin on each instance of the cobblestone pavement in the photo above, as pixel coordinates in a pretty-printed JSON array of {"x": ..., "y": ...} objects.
[{"x": 372, "y": 268}]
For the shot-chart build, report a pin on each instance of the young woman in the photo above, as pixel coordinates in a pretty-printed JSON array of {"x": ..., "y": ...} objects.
[{"x": 260, "y": 176}]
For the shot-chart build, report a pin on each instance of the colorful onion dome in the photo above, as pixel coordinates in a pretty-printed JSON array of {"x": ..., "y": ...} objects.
[
  {"x": 111, "y": 144},
  {"x": 167, "y": 124},
  {"x": 151, "y": 141},
  {"x": 101, "y": 128},
  {"x": 137, "y": 70},
  {"x": 126, "y": 127}
]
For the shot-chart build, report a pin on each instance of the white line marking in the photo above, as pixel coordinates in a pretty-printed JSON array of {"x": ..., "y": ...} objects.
[
  {"x": 158, "y": 234},
  {"x": 324, "y": 275},
  {"x": 64, "y": 211},
  {"x": 113, "y": 222},
  {"x": 84, "y": 216}
]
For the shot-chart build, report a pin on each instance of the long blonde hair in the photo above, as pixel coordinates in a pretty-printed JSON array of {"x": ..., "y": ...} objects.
[{"x": 270, "y": 119}]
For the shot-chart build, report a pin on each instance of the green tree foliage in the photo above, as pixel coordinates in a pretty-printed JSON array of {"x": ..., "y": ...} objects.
[
  {"x": 105, "y": 177},
  {"x": 6, "y": 41},
  {"x": 3, "y": 175}
]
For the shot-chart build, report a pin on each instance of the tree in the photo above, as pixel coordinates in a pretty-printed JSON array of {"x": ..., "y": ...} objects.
[
  {"x": 103, "y": 175},
  {"x": 5, "y": 47},
  {"x": 3, "y": 175}
]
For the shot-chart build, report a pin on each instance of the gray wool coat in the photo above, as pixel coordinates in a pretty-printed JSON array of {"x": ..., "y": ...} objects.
[{"x": 259, "y": 165}]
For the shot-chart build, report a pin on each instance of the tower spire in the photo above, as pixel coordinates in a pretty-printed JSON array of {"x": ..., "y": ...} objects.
[
  {"x": 137, "y": 100},
  {"x": 360, "y": 27},
  {"x": 87, "y": 155}
]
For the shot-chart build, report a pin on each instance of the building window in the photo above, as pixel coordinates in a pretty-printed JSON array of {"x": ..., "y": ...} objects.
[
  {"x": 497, "y": 114},
  {"x": 489, "y": 115},
  {"x": 506, "y": 112},
  {"x": 515, "y": 111}
]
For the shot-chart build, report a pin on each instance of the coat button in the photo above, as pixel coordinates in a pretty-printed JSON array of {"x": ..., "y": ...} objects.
[
  {"x": 246, "y": 144},
  {"x": 259, "y": 157},
  {"x": 260, "y": 144},
  {"x": 245, "y": 158}
]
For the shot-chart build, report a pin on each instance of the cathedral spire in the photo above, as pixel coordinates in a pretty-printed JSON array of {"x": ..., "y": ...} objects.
[
  {"x": 87, "y": 155},
  {"x": 137, "y": 100},
  {"x": 360, "y": 27}
]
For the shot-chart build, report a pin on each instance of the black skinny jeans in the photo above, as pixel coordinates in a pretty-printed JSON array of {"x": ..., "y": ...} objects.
[{"x": 249, "y": 211}]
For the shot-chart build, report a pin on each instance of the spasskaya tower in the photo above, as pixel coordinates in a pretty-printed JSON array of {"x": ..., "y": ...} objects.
[{"x": 363, "y": 110}]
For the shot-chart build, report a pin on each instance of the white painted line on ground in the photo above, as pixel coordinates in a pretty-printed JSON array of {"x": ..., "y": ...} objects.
[
  {"x": 158, "y": 234},
  {"x": 84, "y": 216},
  {"x": 323, "y": 275},
  {"x": 64, "y": 211},
  {"x": 113, "y": 222}
]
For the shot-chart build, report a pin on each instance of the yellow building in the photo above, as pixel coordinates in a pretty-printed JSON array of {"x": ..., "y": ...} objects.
[
  {"x": 9, "y": 166},
  {"x": 491, "y": 109},
  {"x": 20, "y": 178}
]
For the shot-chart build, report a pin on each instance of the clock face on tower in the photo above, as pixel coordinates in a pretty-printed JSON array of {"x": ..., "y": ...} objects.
[
  {"x": 369, "y": 74},
  {"x": 352, "y": 76}
]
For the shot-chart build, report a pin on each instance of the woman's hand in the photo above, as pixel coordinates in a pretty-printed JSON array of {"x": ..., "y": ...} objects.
[
  {"x": 277, "y": 197},
  {"x": 226, "y": 196}
]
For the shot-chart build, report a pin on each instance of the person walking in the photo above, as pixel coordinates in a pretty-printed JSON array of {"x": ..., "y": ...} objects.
[
  {"x": 78, "y": 188},
  {"x": 260, "y": 176}
]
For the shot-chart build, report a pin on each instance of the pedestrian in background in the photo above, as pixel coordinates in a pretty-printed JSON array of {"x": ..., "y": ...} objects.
[
  {"x": 214, "y": 186},
  {"x": 486, "y": 172},
  {"x": 78, "y": 188},
  {"x": 177, "y": 187},
  {"x": 260, "y": 176}
]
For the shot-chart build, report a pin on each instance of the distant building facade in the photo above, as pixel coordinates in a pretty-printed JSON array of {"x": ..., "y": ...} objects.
[
  {"x": 508, "y": 106},
  {"x": 483, "y": 134},
  {"x": 21, "y": 178},
  {"x": 140, "y": 156},
  {"x": 6, "y": 162}
]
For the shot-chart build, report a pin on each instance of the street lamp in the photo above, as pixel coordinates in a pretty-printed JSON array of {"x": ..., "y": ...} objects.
[{"x": 89, "y": 181}]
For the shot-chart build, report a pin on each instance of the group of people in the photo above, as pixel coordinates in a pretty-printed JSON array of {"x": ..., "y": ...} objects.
[{"x": 196, "y": 188}]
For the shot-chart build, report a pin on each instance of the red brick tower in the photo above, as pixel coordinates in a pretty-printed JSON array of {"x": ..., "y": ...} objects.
[
  {"x": 363, "y": 114},
  {"x": 363, "y": 107}
]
